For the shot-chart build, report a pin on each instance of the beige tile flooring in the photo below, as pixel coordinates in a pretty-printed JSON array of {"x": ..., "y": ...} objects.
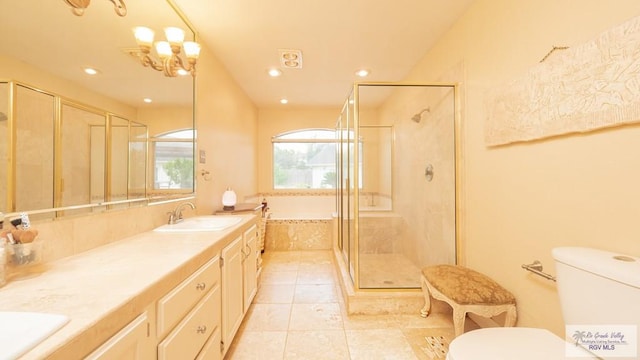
[{"x": 299, "y": 313}]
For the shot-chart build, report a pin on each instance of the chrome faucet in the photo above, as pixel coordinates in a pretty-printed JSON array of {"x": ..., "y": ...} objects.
[{"x": 175, "y": 216}]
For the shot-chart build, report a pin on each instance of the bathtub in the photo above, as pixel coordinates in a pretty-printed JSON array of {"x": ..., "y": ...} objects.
[{"x": 298, "y": 231}]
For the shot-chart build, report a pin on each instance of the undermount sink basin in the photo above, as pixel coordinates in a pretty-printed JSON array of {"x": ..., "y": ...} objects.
[
  {"x": 22, "y": 331},
  {"x": 201, "y": 223}
]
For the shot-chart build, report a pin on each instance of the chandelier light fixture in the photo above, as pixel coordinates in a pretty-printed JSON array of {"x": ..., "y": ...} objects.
[
  {"x": 79, "y": 6},
  {"x": 168, "y": 51}
]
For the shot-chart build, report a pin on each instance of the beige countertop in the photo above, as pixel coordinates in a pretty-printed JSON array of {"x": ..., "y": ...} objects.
[{"x": 105, "y": 288}]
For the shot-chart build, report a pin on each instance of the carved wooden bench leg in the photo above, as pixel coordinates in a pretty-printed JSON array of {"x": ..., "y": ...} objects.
[
  {"x": 459, "y": 316},
  {"x": 510, "y": 319},
  {"x": 424, "y": 312}
]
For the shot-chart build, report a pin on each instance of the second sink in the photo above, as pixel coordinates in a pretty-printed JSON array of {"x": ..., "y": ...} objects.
[{"x": 201, "y": 223}]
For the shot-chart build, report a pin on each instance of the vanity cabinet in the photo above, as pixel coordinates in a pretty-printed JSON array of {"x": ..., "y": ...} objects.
[
  {"x": 250, "y": 266},
  {"x": 189, "y": 317},
  {"x": 133, "y": 342},
  {"x": 239, "y": 281},
  {"x": 232, "y": 290}
]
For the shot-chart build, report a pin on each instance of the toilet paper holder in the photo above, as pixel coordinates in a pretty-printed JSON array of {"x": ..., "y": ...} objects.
[{"x": 536, "y": 268}]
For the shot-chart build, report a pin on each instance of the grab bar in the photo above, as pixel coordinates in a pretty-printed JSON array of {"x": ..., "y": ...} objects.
[{"x": 536, "y": 268}]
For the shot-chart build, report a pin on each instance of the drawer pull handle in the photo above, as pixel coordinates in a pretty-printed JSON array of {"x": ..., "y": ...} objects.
[
  {"x": 201, "y": 329},
  {"x": 201, "y": 286}
]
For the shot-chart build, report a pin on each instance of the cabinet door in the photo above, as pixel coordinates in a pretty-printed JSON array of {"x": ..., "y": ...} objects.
[
  {"x": 250, "y": 266},
  {"x": 130, "y": 343},
  {"x": 232, "y": 290}
]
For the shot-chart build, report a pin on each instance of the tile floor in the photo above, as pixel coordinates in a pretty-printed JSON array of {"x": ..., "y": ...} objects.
[{"x": 299, "y": 313}]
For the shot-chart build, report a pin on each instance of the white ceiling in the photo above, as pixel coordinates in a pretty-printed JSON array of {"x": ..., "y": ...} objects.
[{"x": 336, "y": 37}]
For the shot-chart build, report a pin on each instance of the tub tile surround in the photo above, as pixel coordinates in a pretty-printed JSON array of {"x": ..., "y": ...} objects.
[
  {"x": 300, "y": 313},
  {"x": 298, "y": 220},
  {"x": 282, "y": 234},
  {"x": 96, "y": 288}
]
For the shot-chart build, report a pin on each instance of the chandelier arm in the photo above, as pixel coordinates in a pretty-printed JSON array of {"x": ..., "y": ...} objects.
[
  {"x": 180, "y": 64},
  {"x": 79, "y": 6},
  {"x": 119, "y": 7},
  {"x": 171, "y": 65},
  {"x": 189, "y": 67},
  {"x": 147, "y": 61}
]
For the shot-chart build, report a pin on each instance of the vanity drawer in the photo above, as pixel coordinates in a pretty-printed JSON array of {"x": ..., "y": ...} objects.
[
  {"x": 176, "y": 304},
  {"x": 211, "y": 350},
  {"x": 189, "y": 337}
]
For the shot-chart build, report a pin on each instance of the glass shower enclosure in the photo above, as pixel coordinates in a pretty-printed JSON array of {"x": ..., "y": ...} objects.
[{"x": 396, "y": 182}]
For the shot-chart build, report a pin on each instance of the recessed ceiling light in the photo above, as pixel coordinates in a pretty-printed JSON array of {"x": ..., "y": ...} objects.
[
  {"x": 274, "y": 72},
  {"x": 362, "y": 73},
  {"x": 283, "y": 101},
  {"x": 147, "y": 100},
  {"x": 90, "y": 71}
]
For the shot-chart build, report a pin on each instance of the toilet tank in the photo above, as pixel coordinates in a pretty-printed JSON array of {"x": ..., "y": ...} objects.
[{"x": 597, "y": 287}]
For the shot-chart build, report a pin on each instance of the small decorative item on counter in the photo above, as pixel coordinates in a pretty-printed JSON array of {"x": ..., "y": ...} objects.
[
  {"x": 229, "y": 199},
  {"x": 24, "y": 254},
  {"x": 20, "y": 244}
]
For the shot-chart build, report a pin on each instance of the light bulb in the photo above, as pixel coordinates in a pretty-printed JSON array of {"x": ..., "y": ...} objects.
[
  {"x": 144, "y": 35},
  {"x": 163, "y": 48},
  {"x": 191, "y": 49},
  {"x": 175, "y": 36}
]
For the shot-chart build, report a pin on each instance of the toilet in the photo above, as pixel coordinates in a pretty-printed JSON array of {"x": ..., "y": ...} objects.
[{"x": 595, "y": 288}]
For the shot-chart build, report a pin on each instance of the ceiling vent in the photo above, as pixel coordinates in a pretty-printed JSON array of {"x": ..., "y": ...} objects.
[{"x": 290, "y": 58}]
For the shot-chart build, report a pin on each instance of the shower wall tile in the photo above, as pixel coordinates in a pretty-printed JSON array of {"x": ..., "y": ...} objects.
[{"x": 381, "y": 234}]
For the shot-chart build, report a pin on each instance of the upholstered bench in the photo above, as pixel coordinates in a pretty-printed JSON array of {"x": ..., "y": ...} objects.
[{"x": 466, "y": 291}]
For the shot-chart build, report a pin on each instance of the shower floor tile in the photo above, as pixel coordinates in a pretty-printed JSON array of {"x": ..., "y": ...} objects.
[{"x": 388, "y": 271}]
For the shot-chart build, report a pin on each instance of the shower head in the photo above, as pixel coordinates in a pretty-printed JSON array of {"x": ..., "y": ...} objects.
[{"x": 418, "y": 117}]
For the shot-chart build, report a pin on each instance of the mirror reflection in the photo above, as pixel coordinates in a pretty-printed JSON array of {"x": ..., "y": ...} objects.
[
  {"x": 34, "y": 115},
  {"x": 70, "y": 139}
]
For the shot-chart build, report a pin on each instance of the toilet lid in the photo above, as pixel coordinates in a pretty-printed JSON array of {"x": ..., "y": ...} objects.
[{"x": 507, "y": 343}]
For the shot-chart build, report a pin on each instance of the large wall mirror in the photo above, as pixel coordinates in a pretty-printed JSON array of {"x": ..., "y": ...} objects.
[{"x": 80, "y": 142}]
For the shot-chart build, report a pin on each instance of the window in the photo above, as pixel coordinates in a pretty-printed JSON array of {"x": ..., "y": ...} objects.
[
  {"x": 305, "y": 159},
  {"x": 173, "y": 160}
]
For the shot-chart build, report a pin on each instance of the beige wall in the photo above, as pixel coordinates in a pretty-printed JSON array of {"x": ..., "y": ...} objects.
[
  {"x": 160, "y": 120},
  {"x": 520, "y": 201},
  {"x": 226, "y": 121}
]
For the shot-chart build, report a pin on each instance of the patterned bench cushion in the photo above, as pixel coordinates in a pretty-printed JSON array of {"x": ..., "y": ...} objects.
[{"x": 466, "y": 286}]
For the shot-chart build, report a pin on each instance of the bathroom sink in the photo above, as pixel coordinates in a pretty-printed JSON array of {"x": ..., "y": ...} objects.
[
  {"x": 22, "y": 331},
  {"x": 201, "y": 223}
]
